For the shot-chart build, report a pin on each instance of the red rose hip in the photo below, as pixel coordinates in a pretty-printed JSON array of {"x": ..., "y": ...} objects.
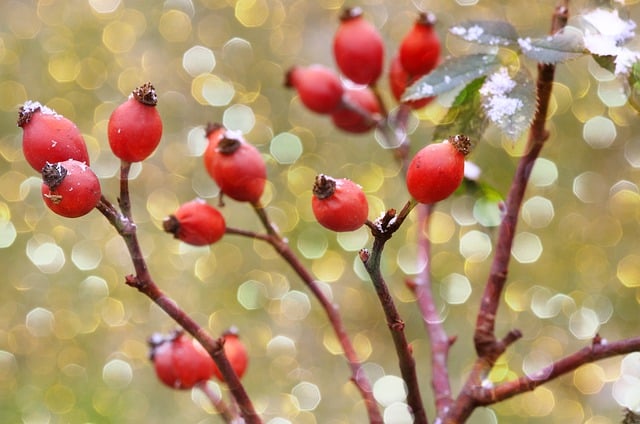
[
  {"x": 437, "y": 170},
  {"x": 49, "y": 137},
  {"x": 339, "y": 204},
  {"x": 70, "y": 188},
  {"x": 420, "y": 48},
  {"x": 319, "y": 88},
  {"x": 358, "y": 48},
  {"x": 237, "y": 167},
  {"x": 196, "y": 223},
  {"x": 180, "y": 362},
  {"x": 360, "y": 111},
  {"x": 236, "y": 353},
  {"x": 135, "y": 126},
  {"x": 399, "y": 80}
]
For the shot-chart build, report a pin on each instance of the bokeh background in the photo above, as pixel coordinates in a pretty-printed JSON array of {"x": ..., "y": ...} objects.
[{"x": 73, "y": 335}]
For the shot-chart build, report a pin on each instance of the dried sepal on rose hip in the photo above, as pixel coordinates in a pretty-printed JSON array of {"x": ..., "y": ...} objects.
[
  {"x": 180, "y": 362},
  {"x": 237, "y": 167},
  {"x": 236, "y": 353},
  {"x": 135, "y": 126},
  {"x": 339, "y": 204},
  {"x": 419, "y": 50},
  {"x": 358, "y": 48},
  {"x": 49, "y": 137},
  {"x": 196, "y": 223},
  {"x": 319, "y": 88},
  {"x": 437, "y": 170},
  {"x": 70, "y": 188}
]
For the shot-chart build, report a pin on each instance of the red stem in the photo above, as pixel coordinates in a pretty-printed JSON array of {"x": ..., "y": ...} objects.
[
  {"x": 484, "y": 338},
  {"x": 382, "y": 230},
  {"x": 225, "y": 412},
  {"x": 280, "y": 245},
  {"x": 440, "y": 342}
]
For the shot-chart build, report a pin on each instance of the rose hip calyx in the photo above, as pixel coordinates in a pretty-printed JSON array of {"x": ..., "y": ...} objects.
[
  {"x": 146, "y": 94},
  {"x": 461, "y": 142},
  {"x": 324, "y": 186},
  {"x": 53, "y": 174}
]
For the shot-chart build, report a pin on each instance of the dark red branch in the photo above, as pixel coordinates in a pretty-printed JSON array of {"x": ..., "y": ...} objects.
[
  {"x": 440, "y": 342},
  {"x": 143, "y": 281},
  {"x": 382, "y": 230},
  {"x": 280, "y": 245},
  {"x": 598, "y": 350},
  {"x": 484, "y": 338}
]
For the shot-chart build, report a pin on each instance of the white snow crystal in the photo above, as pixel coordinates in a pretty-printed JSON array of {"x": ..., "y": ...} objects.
[
  {"x": 609, "y": 23},
  {"x": 469, "y": 34},
  {"x": 498, "y": 84},
  {"x": 498, "y": 105},
  {"x": 607, "y": 36},
  {"x": 625, "y": 60}
]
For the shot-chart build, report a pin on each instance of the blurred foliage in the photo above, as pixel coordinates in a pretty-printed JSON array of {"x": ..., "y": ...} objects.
[{"x": 73, "y": 336}]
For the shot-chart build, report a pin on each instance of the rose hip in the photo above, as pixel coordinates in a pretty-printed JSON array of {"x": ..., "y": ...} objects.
[
  {"x": 70, "y": 188},
  {"x": 49, "y": 137},
  {"x": 135, "y": 126}
]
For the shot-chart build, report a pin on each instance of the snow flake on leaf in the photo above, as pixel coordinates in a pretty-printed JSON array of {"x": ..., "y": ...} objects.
[
  {"x": 498, "y": 105},
  {"x": 606, "y": 34}
]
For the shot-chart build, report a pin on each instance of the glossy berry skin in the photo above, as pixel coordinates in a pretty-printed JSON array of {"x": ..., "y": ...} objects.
[
  {"x": 236, "y": 353},
  {"x": 179, "y": 361},
  {"x": 196, "y": 223},
  {"x": 49, "y": 137},
  {"x": 437, "y": 170},
  {"x": 70, "y": 188},
  {"x": 339, "y": 204},
  {"x": 363, "y": 100},
  {"x": 358, "y": 48},
  {"x": 399, "y": 80},
  {"x": 135, "y": 126},
  {"x": 318, "y": 87},
  {"x": 237, "y": 167},
  {"x": 420, "y": 48}
]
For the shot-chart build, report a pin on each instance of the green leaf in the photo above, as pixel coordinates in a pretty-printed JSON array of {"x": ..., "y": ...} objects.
[
  {"x": 492, "y": 33},
  {"x": 560, "y": 47},
  {"x": 465, "y": 116},
  {"x": 451, "y": 74},
  {"x": 509, "y": 103}
]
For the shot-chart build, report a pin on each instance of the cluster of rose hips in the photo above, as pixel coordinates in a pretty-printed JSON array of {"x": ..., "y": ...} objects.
[
  {"x": 358, "y": 48},
  {"x": 54, "y": 146},
  {"x": 354, "y": 106},
  {"x": 181, "y": 362}
]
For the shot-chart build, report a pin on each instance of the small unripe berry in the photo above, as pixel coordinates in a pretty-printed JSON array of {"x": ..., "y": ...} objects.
[
  {"x": 135, "y": 126},
  {"x": 237, "y": 167},
  {"x": 358, "y": 48},
  {"x": 420, "y": 48},
  {"x": 49, "y": 137},
  {"x": 180, "y": 362},
  {"x": 360, "y": 111},
  {"x": 437, "y": 170},
  {"x": 196, "y": 223},
  {"x": 236, "y": 353},
  {"x": 319, "y": 88},
  {"x": 339, "y": 204},
  {"x": 70, "y": 188}
]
